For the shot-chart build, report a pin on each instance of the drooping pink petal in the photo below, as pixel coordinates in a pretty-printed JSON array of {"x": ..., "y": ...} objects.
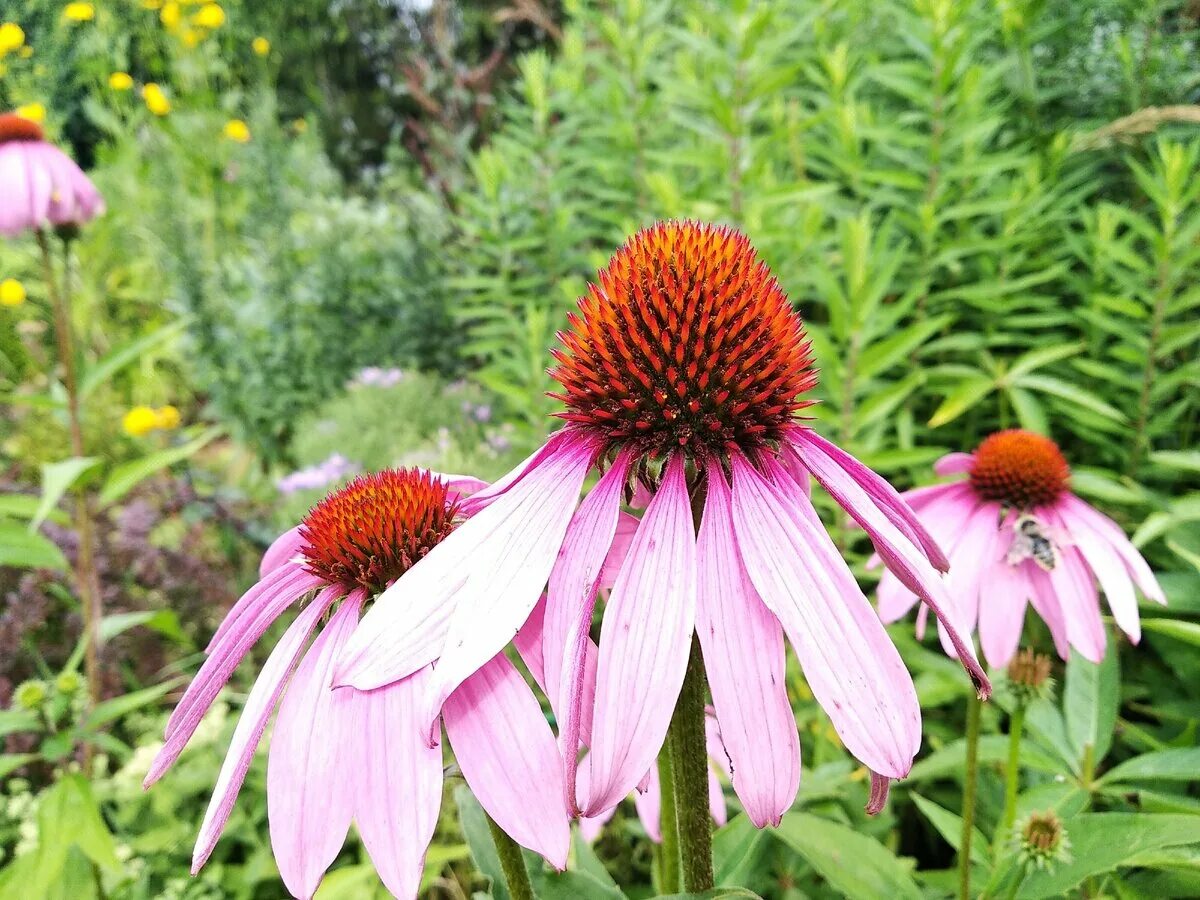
[
  {"x": 893, "y": 599},
  {"x": 591, "y": 826},
  {"x": 648, "y": 803},
  {"x": 970, "y": 557},
  {"x": 484, "y": 496},
  {"x": 627, "y": 526},
  {"x": 744, "y": 659},
  {"x": 1074, "y": 509},
  {"x": 1046, "y": 603},
  {"x": 716, "y": 799},
  {"x": 286, "y": 577},
  {"x": 954, "y": 464},
  {"x": 253, "y": 721},
  {"x": 315, "y": 745},
  {"x": 875, "y": 506},
  {"x": 460, "y": 487},
  {"x": 507, "y": 754},
  {"x": 1114, "y": 578},
  {"x": 1003, "y": 594},
  {"x": 644, "y": 644},
  {"x": 851, "y": 665},
  {"x": 283, "y": 549},
  {"x": 879, "y": 794},
  {"x": 215, "y": 672},
  {"x": 471, "y": 593},
  {"x": 1076, "y": 592},
  {"x": 570, "y": 601},
  {"x": 918, "y": 499},
  {"x": 823, "y": 458},
  {"x": 528, "y": 643},
  {"x": 397, "y": 781}
]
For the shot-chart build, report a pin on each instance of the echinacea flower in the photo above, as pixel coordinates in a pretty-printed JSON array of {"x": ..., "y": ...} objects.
[
  {"x": 1015, "y": 534},
  {"x": 683, "y": 374},
  {"x": 647, "y": 799},
  {"x": 342, "y": 756},
  {"x": 40, "y": 184}
]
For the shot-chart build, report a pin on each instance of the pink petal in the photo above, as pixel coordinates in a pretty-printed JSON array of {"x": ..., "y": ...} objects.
[
  {"x": 745, "y": 663},
  {"x": 1105, "y": 563},
  {"x": 1003, "y": 593},
  {"x": 1074, "y": 509},
  {"x": 879, "y": 794},
  {"x": 627, "y": 526},
  {"x": 507, "y": 754},
  {"x": 1045, "y": 602},
  {"x": 893, "y": 599},
  {"x": 874, "y": 505},
  {"x": 466, "y": 599},
  {"x": 971, "y": 556},
  {"x": 644, "y": 644},
  {"x": 461, "y": 486},
  {"x": 253, "y": 721},
  {"x": 398, "y": 781},
  {"x": 311, "y": 764},
  {"x": 591, "y": 826},
  {"x": 954, "y": 464},
  {"x": 505, "y": 483},
  {"x": 286, "y": 577},
  {"x": 648, "y": 803},
  {"x": 528, "y": 643},
  {"x": 283, "y": 549},
  {"x": 716, "y": 799},
  {"x": 850, "y": 663},
  {"x": 569, "y": 605},
  {"x": 1076, "y": 592}
]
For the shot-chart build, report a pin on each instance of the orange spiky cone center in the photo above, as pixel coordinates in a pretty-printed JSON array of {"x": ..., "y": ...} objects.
[
  {"x": 685, "y": 342},
  {"x": 18, "y": 128},
  {"x": 376, "y": 528},
  {"x": 1019, "y": 468}
]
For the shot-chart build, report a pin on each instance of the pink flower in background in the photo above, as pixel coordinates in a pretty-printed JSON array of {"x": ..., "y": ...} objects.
[
  {"x": 1015, "y": 534},
  {"x": 683, "y": 374},
  {"x": 344, "y": 755},
  {"x": 40, "y": 184},
  {"x": 323, "y": 474}
]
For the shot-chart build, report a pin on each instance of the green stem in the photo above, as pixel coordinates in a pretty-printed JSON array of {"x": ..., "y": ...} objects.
[
  {"x": 969, "y": 778},
  {"x": 516, "y": 875},
  {"x": 689, "y": 762},
  {"x": 1012, "y": 771},
  {"x": 668, "y": 854}
]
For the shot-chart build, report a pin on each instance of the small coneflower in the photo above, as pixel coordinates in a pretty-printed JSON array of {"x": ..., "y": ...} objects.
[
  {"x": 683, "y": 374},
  {"x": 40, "y": 184},
  {"x": 1015, "y": 535},
  {"x": 342, "y": 756}
]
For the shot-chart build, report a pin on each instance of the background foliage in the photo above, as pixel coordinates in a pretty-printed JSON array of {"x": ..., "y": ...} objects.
[{"x": 988, "y": 213}]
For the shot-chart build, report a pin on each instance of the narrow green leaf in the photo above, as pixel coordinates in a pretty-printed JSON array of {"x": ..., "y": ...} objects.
[
  {"x": 962, "y": 398},
  {"x": 1179, "y": 629},
  {"x": 855, "y": 865},
  {"x": 125, "y": 477},
  {"x": 24, "y": 549},
  {"x": 1090, "y": 700},
  {"x": 57, "y": 478},
  {"x": 105, "y": 368},
  {"x": 949, "y": 826},
  {"x": 1182, "y": 764}
]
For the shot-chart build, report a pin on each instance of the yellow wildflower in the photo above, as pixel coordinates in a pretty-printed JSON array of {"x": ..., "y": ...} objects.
[
  {"x": 170, "y": 15},
  {"x": 12, "y": 292},
  {"x": 237, "y": 130},
  {"x": 261, "y": 45},
  {"x": 300, "y": 125},
  {"x": 11, "y": 37},
  {"x": 120, "y": 81},
  {"x": 140, "y": 421},
  {"x": 210, "y": 15},
  {"x": 34, "y": 112},
  {"x": 156, "y": 100},
  {"x": 79, "y": 12},
  {"x": 167, "y": 418},
  {"x": 191, "y": 37}
]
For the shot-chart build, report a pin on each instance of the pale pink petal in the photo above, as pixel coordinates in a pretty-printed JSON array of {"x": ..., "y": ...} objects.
[
  {"x": 460, "y": 486},
  {"x": 1046, "y": 603},
  {"x": 528, "y": 642},
  {"x": 283, "y": 549},
  {"x": 484, "y": 496},
  {"x": 645, "y": 641},
  {"x": 253, "y": 721},
  {"x": 398, "y": 782},
  {"x": 954, "y": 464},
  {"x": 1003, "y": 594},
  {"x": 716, "y": 799},
  {"x": 971, "y": 555},
  {"x": 648, "y": 802},
  {"x": 715, "y": 744},
  {"x": 919, "y": 499},
  {"x": 1076, "y": 592},
  {"x": 466, "y": 599},
  {"x": 215, "y": 672},
  {"x": 850, "y": 663},
  {"x": 286, "y": 577},
  {"x": 1075, "y": 510},
  {"x": 591, "y": 826},
  {"x": 1106, "y": 564},
  {"x": 893, "y": 599},
  {"x": 569, "y": 605},
  {"x": 627, "y": 526},
  {"x": 744, "y": 659},
  {"x": 311, "y": 765},
  {"x": 507, "y": 754}
]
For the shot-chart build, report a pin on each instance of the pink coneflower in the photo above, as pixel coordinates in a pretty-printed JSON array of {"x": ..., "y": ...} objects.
[
  {"x": 40, "y": 184},
  {"x": 1017, "y": 534},
  {"x": 344, "y": 755},
  {"x": 683, "y": 374}
]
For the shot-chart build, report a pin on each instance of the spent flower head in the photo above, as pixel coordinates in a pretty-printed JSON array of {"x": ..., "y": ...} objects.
[
  {"x": 1028, "y": 677},
  {"x": 1042, "y": 841}
]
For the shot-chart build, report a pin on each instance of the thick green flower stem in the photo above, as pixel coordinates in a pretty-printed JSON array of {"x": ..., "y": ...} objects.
[
  {"x": 516, "y": 875},
  {"x": 1012, "y": 769},
  {"x": 668, "y": 851},
  {"x": 970, "y": 776},
  {"x": 689, "y": 762}
]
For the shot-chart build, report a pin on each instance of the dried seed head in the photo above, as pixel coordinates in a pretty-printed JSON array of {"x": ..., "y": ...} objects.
[
  {"x": 1042, "y": 840},
  {"x": 1029, "y": 677},
  {"x": 1019, "y": 468}
]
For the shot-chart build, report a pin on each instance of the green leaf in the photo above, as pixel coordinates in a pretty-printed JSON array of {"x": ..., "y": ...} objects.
[
  {"x": 569, "y": 885},
  {"x": 105, "y": 368},
  {"x": 586, "y": 860},
  {"x": 854, "y": 865},
  {"x": 23, "y": 549},
  {"x": 718, "y": 893},
  {"x": 1043, "y": 356},
  {"x": 1179, "y": 629},
  {"x": 1184, "y": 460},
  {"x": 125, "y": 477},
  {"x": 949, "y": 826},
  {"x": 1181, "y": 764},
  {"x": 69, "y": 815},
  {"x": 737, "y": 849},
  {"x": 25, "y": 506},
  {"x": 1090, "y": 700},
  {"x": 10, "y": 762},
  {"x": 473, "y": 821},
  {"x": 126, "y": 703},
  {"x": 56, "y": 479},
  {"x": 962, "y": 398},
  {"x": 164, "y": 621},
  {"x": 1071, "y": 393},
  {"x": 15, "y": 721}
]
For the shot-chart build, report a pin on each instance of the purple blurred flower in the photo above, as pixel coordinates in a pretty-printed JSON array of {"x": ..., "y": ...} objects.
[{"x": 320, "y": 475}]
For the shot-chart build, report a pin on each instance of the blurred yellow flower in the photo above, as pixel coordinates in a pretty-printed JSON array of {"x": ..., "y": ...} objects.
[
  {"x": 167, "y": 418},
  {"x": 191, "y": 37},
  {"x": 120, "y": 81},
  {"x": 11, "y": 37},
  {"x": 237, "y": 130},
  {"x": 210, "y": 15},
  {"x": 34, "y": 112},
  {"x": 261, "y": 45},
  {"x": 12, "y": 292},
  {"x": 79, "y": 12},
  {"x": 300, "y": 125},
  {"x": 139, "y": 421},
  {"x": 170, "y": 15},
  {"x": 156, "y": 100}
]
